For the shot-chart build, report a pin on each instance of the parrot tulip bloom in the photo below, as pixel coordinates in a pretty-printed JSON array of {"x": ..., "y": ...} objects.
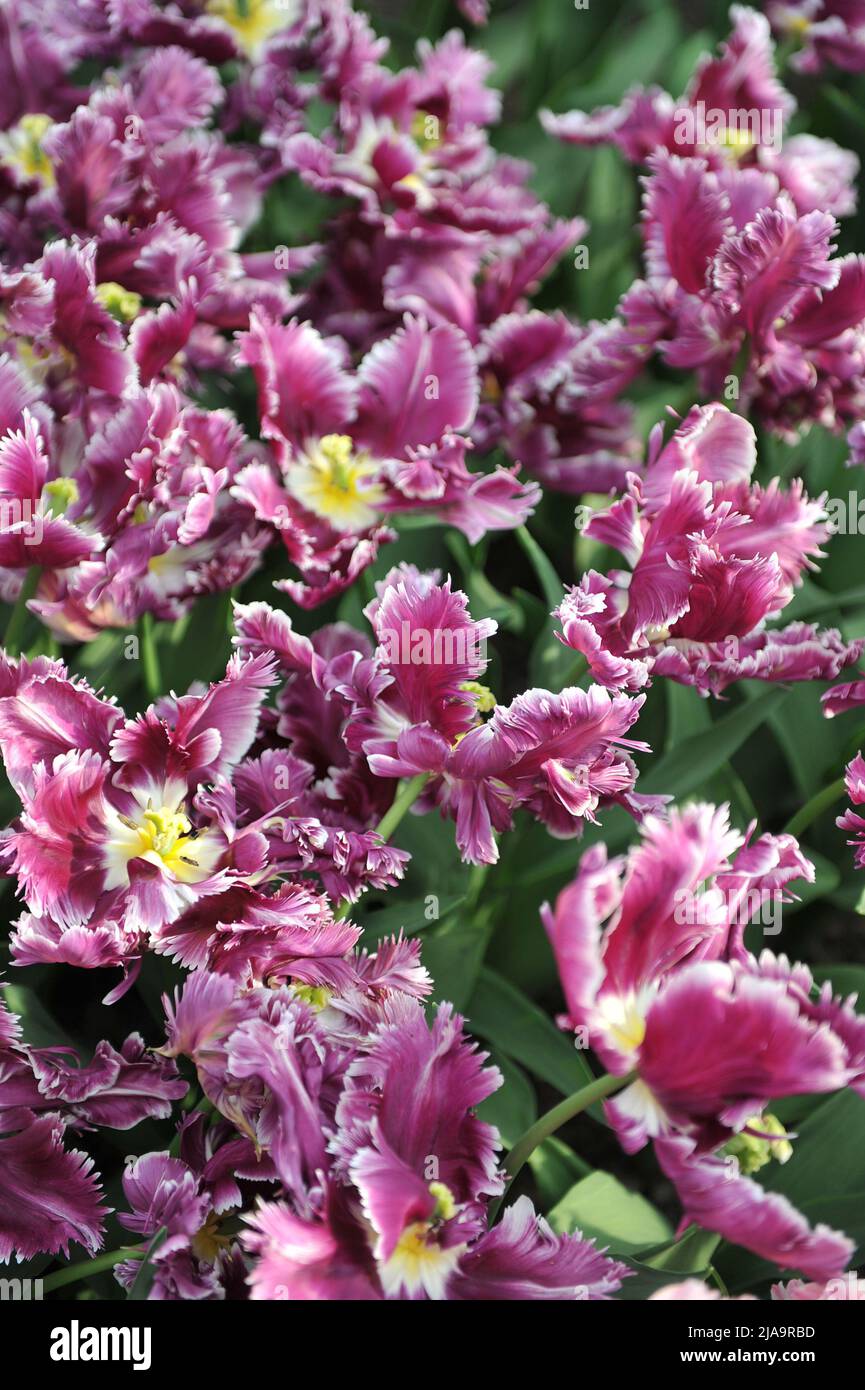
[
  {"x": 734, "y": 114},
  {"x": 50, "y": 1194},
  {"x": 713, "y": 557},
  {"x": 403, "y": 1215},
  {"x": 670, "y": 963},
  {"x": 352, "y": 450},
  {"x": 854, "y": 777},
  {"x": 129, "y": 835}
]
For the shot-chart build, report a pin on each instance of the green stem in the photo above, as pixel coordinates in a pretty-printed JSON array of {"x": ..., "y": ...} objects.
[
  {"x": 405, "y": 797},
  {"x": 408, "y": 793},
  {"x": 554, "y": 1119},
  {"x": 73, "y": 1273},
  {"x": 819, "y": 803},
  {"x": 150, "y": 656},
  {"x": 12, "y": 639},
  {"x": 140, "y": 1289},
  {"x": 719, "y": 1283}
]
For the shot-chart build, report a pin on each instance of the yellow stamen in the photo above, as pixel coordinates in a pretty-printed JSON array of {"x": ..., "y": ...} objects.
[
  {"x": 162, "y": 836},
  {"x": 446, "y": 1207},
  {"x": 316, "y": 996},
  {"x": 121, "y": 304},
  {"x": 485, "y": 700},
  {"x": 253, "y": 21},
  {"x": 426, "y": 130},
  {"x": 60, "y": 495},
  {"x": 332, "y": 481},
  {"x": 752, "y": 1152},
  {"x": 21, "y": 148},
  {"x": 207, "y": 1243}
]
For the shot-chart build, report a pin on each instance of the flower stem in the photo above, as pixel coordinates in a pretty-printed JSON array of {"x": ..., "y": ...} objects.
[
  {"x": 83, "y": 1270},
  {"x": 140, "y": 1288},
  {"x": 405, "y": 797},
  {"x": 150, "y": 656},
  {"x": 554, "y": 1119},
  {"x": 408, "y": 793},
  {"x": 12, "y": 639},
  {"x": 819, "y": 803}
]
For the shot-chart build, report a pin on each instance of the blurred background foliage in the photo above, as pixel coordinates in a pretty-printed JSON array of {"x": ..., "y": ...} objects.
[{"x": 763, "y": 749}]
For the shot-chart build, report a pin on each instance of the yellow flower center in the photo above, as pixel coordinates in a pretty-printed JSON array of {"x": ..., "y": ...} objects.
[
  {"x": 490, "y": 389},
  {"x": 736, "y": 142},
  {"x": 418, "y": 1260},
  {"x": 334, "y": 482},
  {"x": 426, "y": 131},
  {"x": 121, "y": 304},
  {"x": 485, "y": 700},
  {"x": 625, "y": 1019},
  {"x": 207, "y": 1243},
  {"x": 163, "y": 836},
  {"x": 253, "y": 21},
  {"x": 752, "y": 1152},
  {"x": 316, "y": 996},
  {"x": 60, "y": 494},
  {"x": 167, "y": 834},
  {"x": 21, "y": 148},
  {"x": 631, "y": 1032}
]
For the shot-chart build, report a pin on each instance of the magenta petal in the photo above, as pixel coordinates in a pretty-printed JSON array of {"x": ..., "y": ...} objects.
[
  {"x": 49, "y": 1195},
  {"x": 715, "y": 1196},
  {"x": 522, "y": 1258},
  {"x": 416, "y": 386}
]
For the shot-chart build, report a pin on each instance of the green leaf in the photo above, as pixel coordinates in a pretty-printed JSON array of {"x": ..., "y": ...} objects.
[
  {"x": 485, "y": 600},
  {"x": 453, "y": 953},
  {"x": 811, "y": 760},
  {"x": 143, "y": 1281},
  {"x": 845, "y": 979},
  {"x": 688, "y": 714},
  {"x": 499, "y": 1012},
  {"x": 693, "y": 1251},
  {"x": 551, "y": 585},
  {"x": 512, "y": 1109},
  {"x": 408, "y": 916},
  {"x": 686, "y": 768},
  {"x": 827, "y": 1153},
  {"x": 645, "y": 1281},
  {"x": 810, "y": 601},
  {"x": 38, "y": 1027},
  {"x": 555, "y": 1168},
  {"x": 688, "y": 1258},
  {"x": 604, "y": 1210}
]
